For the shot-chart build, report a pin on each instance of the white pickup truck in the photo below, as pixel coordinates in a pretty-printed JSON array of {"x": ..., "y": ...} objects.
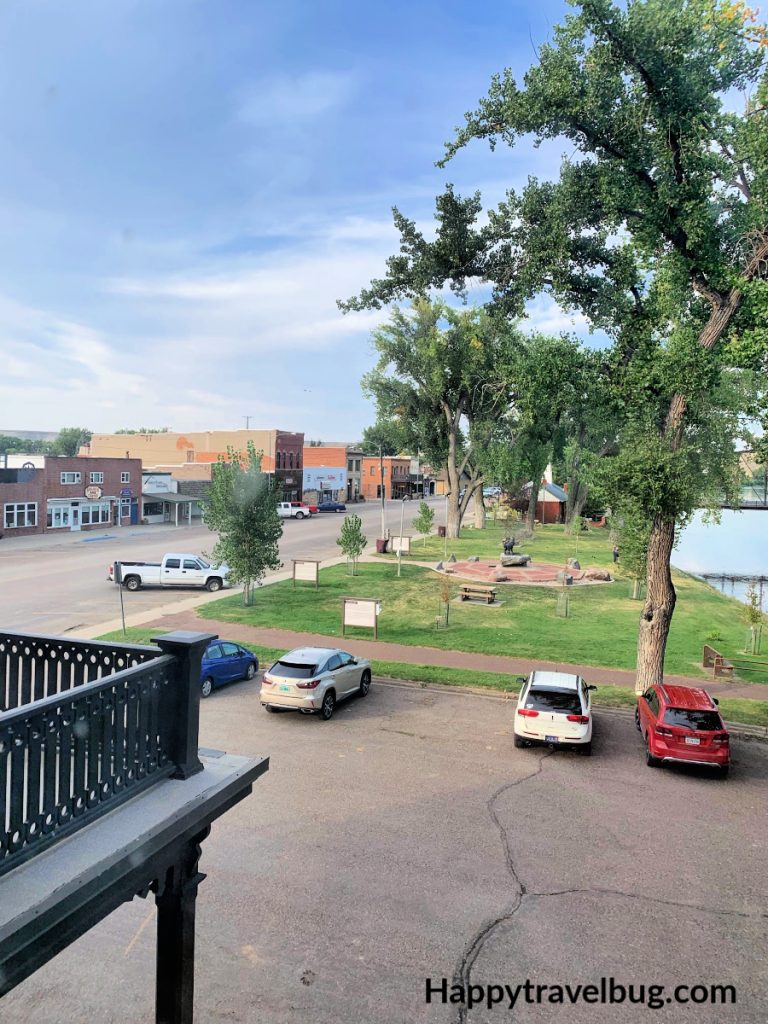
[
  {"x": 175, "y": 570},
  {"x": 289, "y": 510}
]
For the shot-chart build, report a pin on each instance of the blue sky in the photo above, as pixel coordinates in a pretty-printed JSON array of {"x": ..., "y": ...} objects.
[{"x": 187, "y": 186}]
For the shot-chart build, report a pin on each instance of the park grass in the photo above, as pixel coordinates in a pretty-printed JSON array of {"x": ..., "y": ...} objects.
[
  {"x": 601, "y": 629},
  {"x": 740, "y": 710}
]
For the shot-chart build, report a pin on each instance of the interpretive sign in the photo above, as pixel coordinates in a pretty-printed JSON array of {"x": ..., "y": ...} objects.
[
  {"x": 360, "y": 611},
  {"x": 306, "y": 569},
  {"x": 400, "y": 545}
]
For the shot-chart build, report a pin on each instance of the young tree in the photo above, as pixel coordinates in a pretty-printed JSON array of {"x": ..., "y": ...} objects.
[
  {"x": 351, "y": 540},
  {"x": 424, "y": 520},
  {"x": 659, "y": 233},
  {"x": 242, "y": 509}
]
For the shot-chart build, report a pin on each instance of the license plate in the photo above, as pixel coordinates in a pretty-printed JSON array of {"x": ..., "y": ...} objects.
[
  {"x": 287, "y": 689},
  {"x": 552, "y": 739},
  {"x": 694, "y": 741}
]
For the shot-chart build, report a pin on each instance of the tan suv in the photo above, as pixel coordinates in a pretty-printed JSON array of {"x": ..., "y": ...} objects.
[{"x": 313, "y": 680}]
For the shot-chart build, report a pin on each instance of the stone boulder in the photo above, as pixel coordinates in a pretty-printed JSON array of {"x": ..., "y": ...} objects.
[
  {"x": 598, "y": 574},
  {"x": 508, "y": 561},
  {"x": 574, "y": 563},
  {"x": 500, "y": 577},
  {"x": 473, "y": 558},
  {"x": 565, "y": 577}
]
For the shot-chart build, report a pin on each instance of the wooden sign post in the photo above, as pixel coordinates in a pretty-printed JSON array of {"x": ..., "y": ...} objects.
[
  {"x": 306, "y": 569},
  {"x": 360, "y": 611}
]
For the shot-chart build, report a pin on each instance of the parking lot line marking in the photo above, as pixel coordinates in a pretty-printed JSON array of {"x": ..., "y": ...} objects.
[{"x": 139, "y": 930}]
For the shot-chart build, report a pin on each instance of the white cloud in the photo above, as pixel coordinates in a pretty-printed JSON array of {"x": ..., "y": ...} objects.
[
  {"x": 547, "y": 317},
  {"x": 285, "y": 100}
]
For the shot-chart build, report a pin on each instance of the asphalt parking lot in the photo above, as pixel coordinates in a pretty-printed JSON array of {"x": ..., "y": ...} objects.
[{"x": 407, "y": 839}]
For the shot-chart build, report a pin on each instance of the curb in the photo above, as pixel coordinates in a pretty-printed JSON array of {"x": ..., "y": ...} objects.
[{"x": 747, "y": 733}]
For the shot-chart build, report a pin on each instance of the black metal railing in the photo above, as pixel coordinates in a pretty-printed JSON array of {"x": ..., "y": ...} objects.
[
  {"x": 86, "y": 746},
  {"x": 35, "y": 667}
]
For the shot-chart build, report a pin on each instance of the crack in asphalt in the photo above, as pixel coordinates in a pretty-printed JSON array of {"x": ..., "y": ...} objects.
[
  {"x": 461, "y": 975},
  {"x": 648, "y": 899},
  {"x": 478, "y": 940}
]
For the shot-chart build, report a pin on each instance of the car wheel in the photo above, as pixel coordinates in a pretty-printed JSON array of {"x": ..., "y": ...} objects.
[
  {"x": 723, "y": 771},
  {"x": 270, "y": 708},
  {"x": 299, "y": 515},
  {"x": 213, "y": 585},
  {"x": 650, "y": 760},
  {"x": 365, "y": 682},
  {"x": 206, "y": 687},
  {"x": 637, "y": 720},
  {"x": 132, "y": 583},
  {"x": 251, "y": 671},
  {"x": 328, "y": 706},
  {"x": 518, "y": 741},
  {"x": 586, "y": 749}
]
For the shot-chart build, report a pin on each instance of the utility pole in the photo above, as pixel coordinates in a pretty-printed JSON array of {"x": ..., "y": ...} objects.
[
  {"x": 383, "y": 508},
  {"x": 247, "y": 422}
]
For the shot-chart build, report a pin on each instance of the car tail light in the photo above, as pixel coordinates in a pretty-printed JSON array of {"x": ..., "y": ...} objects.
[
  {"x": 581, "y": 719},
  {"x": 661, "y": 731},
  {"x": 527, "y": 713},
  {"x": 268, "y": 680},
  {"x": 721, "y": 737},
  {"x": 308, "y": 684}
]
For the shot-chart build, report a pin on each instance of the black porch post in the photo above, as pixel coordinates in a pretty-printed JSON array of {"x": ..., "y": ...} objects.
[
  {"x": 188, "y": 649},
  {"x": 176, "y": 896}
]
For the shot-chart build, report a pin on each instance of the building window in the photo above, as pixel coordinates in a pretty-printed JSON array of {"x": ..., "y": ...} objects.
[
  {"x": 290, "y": 460},
  {"x": 97, "y": 478},
  {"x": 298, "y": 460},
  {"x": 20, "y": 514},
  {"x": 151, "y": 508},
  {"x": 373, "y": 468},
  {"x": 279, "y": 460},
  {"x": 91, "y": 515},
  {"x": 125, "y": 478},
  {"x": 190, "y": 455},
  {"x": 70, "y": 478}
]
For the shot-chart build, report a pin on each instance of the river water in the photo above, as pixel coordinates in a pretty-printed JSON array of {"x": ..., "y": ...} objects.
[{"x": 736, "y": 546}]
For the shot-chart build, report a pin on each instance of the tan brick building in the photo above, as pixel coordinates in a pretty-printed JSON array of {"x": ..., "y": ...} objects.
[{"x": 190, "y": 456}]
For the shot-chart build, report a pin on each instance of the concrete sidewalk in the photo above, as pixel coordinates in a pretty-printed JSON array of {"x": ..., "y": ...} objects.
[{"x": 378, "y": 650}]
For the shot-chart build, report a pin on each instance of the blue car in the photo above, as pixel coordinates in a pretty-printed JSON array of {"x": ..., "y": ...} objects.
[
  {"x": 225, "y": 662},
  {"x": 331, "y": 506}
]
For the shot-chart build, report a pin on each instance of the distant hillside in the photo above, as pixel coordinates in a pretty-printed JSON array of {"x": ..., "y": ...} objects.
[{"x": 31, "y": 435}]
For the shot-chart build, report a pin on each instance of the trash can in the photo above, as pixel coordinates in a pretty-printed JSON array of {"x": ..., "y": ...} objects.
[
  {"x": 441, "y": 531},
  {"x": 381, "y": 547}
]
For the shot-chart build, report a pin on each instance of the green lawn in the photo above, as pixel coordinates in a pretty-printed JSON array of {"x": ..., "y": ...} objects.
[
  {"x": 601, "y": 629},
  {"x": 749, "y": 712}
]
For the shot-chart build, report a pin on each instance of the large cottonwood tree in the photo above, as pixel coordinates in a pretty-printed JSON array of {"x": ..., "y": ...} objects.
[{"x": 656, "y": 229}]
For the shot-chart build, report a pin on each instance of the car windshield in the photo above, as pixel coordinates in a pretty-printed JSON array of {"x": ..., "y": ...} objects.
[
  {"x": 705, "y": 721},
  {"x": 564, "y": 701},
  {"x": 203, "y": 563},
  {"x": 291, "y": 670}
]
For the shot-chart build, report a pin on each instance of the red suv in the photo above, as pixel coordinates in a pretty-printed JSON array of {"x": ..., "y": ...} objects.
[{"x": 682, "y": 724}]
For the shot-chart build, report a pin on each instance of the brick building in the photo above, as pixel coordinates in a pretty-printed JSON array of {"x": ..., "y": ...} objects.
[
  {"x": 397, "y": 476},
  {"x": 69, "y": 494},
  {"x": 332, "y": 471},
  {"x": 191, "y": 456}
]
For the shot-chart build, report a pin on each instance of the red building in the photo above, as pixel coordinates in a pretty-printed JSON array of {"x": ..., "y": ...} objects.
[{"x": 69, "y": 494}]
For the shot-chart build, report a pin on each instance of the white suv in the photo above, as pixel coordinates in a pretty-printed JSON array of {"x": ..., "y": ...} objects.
[
  {"x": 554, "y": 708},
  {"x": 314, "y": 679}
]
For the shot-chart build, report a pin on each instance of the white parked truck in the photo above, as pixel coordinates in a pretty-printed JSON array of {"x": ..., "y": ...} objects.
[
  {"x": 175, "y": 570},
  {"x": 289, "y": 510}
]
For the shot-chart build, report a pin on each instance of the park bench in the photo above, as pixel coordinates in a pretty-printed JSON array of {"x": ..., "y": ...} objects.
[
  {"x": 470, "y": 591},
  {"x": 98, "y": 747}
]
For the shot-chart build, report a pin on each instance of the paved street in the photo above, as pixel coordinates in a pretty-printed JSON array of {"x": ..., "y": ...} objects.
[
  {"x": 408, "y": 839},
  {"x": 54, "y": 583}
]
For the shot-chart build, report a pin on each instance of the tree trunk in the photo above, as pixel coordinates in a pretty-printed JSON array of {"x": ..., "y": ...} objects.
[
  {"x": 479, "y": 506},
  {"x": 453, "y": 523},
  {"x": 577, "y": 499},
  {"x": 536, "y": 476},
  {"x": 660, "y": 599}
]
